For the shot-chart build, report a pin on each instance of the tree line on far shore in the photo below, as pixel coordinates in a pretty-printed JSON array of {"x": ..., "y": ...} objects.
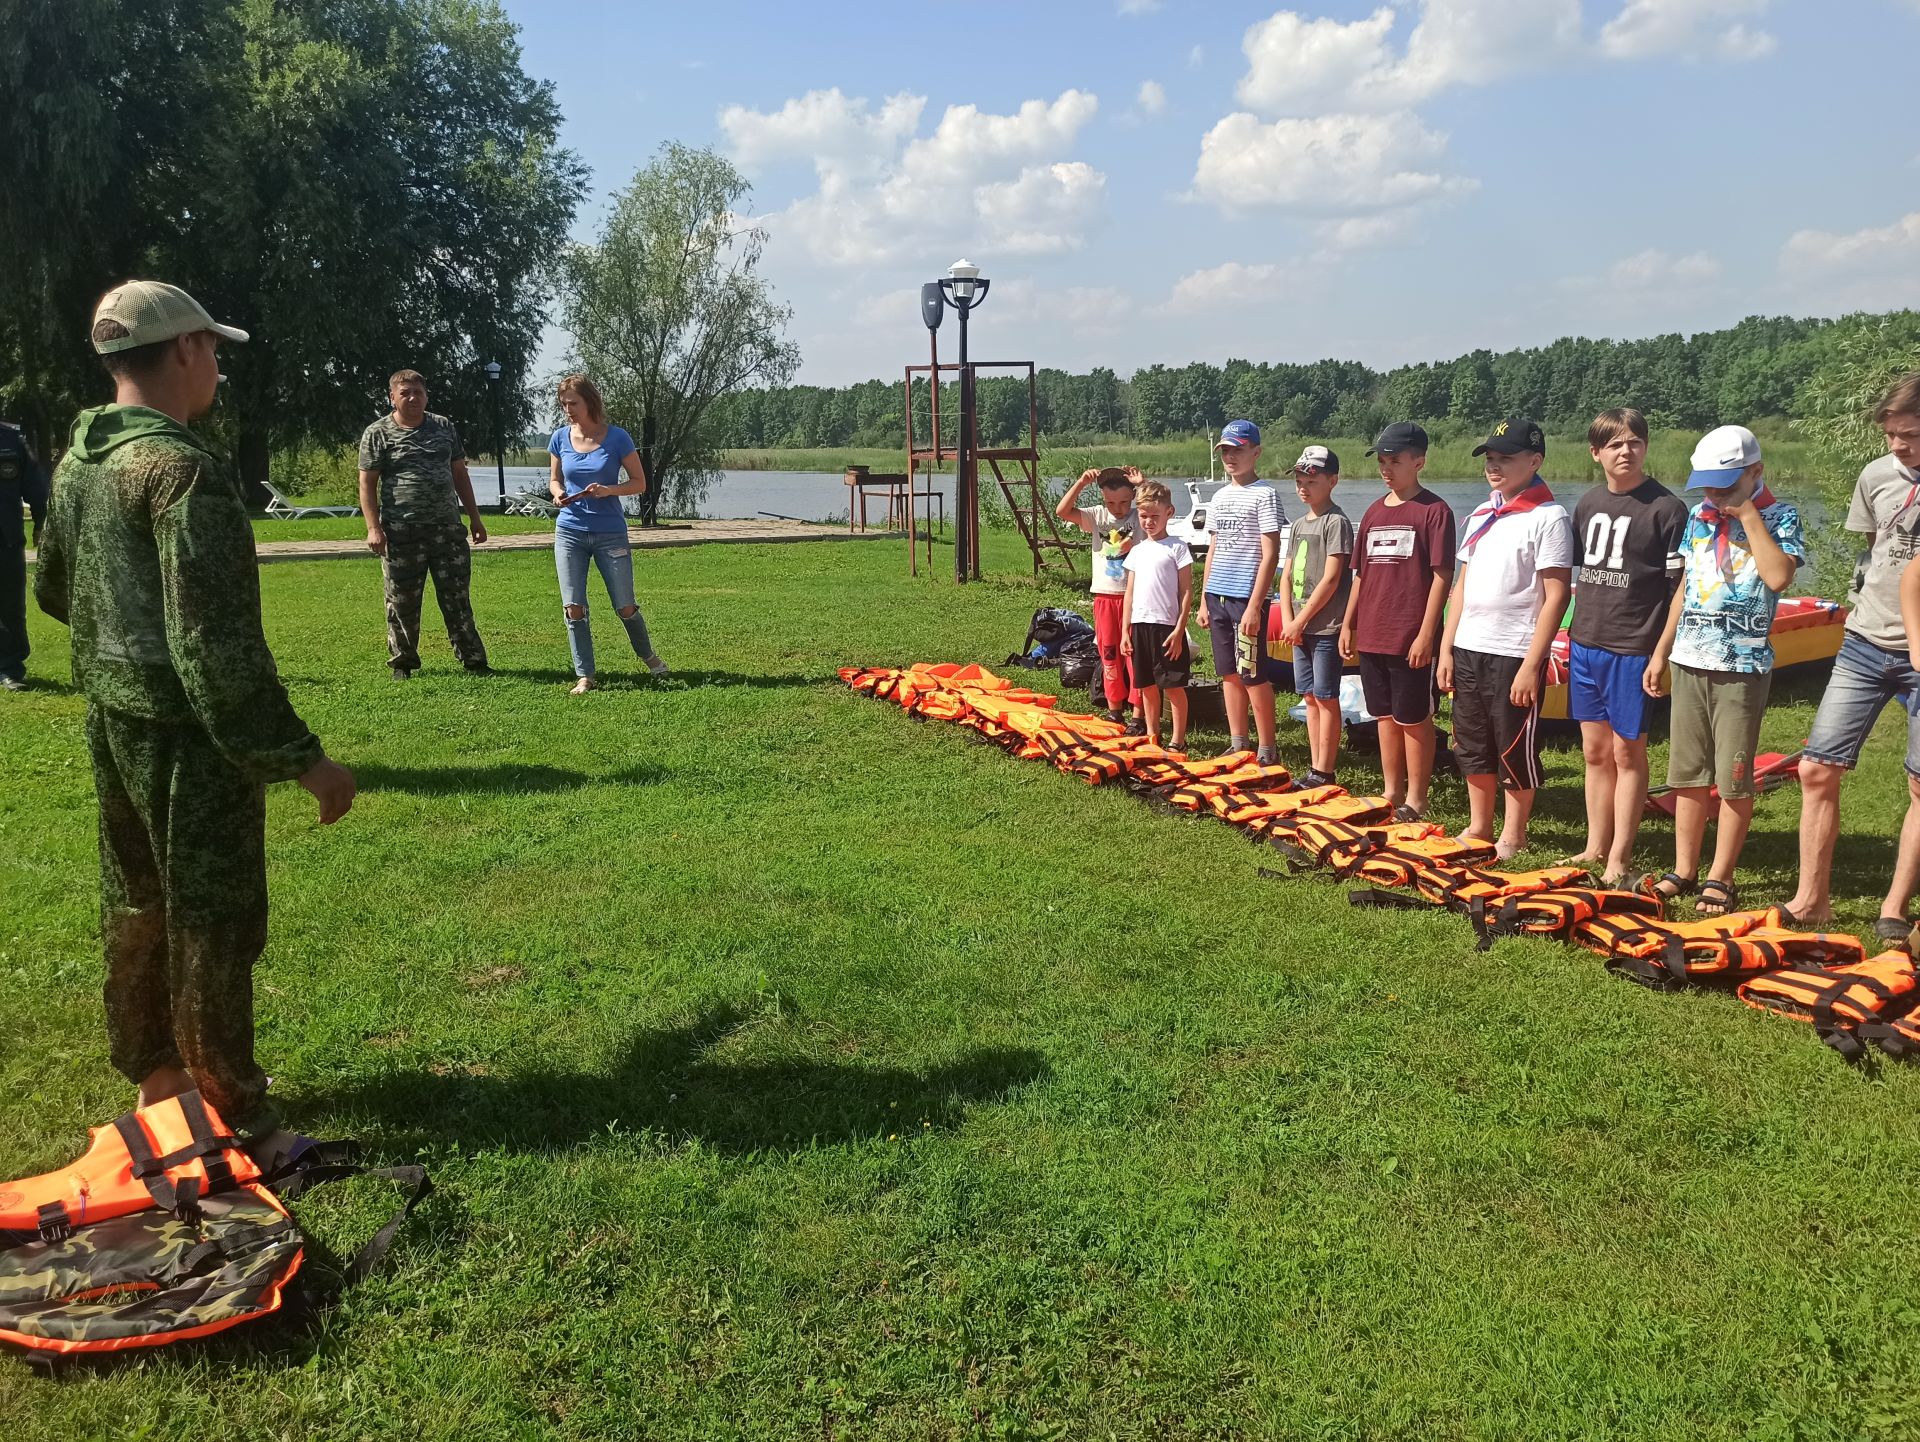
[{"x": 1763, "y": 367}]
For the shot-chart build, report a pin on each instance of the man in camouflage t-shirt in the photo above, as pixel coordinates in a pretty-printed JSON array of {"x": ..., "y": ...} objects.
[
  {"x": 413, "y": 485},
  {"x": 147, "y": 556}
]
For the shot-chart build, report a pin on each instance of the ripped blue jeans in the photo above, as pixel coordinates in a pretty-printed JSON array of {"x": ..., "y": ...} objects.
[{"x": 613, "y": 554}]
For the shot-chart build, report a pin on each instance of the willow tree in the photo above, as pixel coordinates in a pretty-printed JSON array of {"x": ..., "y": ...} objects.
[{"x": 669, "y": 313}]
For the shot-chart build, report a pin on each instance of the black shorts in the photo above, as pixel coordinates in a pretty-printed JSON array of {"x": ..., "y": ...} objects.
[
  {"x": 1150, "y": 664},
  {"x": 1395, "y": 689},
  {"x": 1491, "y": 735}
]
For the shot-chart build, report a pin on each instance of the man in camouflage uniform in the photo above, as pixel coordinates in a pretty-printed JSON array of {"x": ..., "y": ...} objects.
[
  {"x": 22, "y": 483},
  {"x": 148, "y": 557},
  {"x": 413, "y": 485}
]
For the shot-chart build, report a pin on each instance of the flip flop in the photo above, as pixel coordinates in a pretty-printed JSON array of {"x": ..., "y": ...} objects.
[{"x": 1894, "y": 933}]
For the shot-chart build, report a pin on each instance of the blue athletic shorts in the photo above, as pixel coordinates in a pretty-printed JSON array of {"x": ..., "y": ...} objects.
[{"x": 1606, "y": 686}]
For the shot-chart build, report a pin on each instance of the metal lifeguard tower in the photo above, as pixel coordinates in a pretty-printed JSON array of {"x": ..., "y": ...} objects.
[{"x": 1015, "y": 468}]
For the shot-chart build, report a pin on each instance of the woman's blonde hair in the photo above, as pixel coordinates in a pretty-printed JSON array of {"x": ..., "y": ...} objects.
[{"x": 586, "y": 391}]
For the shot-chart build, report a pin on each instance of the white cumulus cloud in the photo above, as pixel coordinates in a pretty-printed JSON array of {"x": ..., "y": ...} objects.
[
  {"x": 1328, "y": 164},
  {"x": 1699, "y": 29},
  {"x": 1000, "y": 181},
  {"x": 1302, "y": 66},
  {"x": 840, "y": 135},
  {"x": 1652, "y": 271},
  {"x": 1152, "y": 98},
  {"x": 1876, "y": 249}
]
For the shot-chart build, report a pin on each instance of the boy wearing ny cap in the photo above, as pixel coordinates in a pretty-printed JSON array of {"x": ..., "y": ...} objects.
[
  {"x": 1515, "y": 569},
  {"x": 147, "y": 556},
  {"x": 1403, "y": 558},
  {"x": 1628, "y": 533},
  {"x": 1114, "y": 527},
  {"x": 1874, "y": 667},
  {"x": 1313, "y": 601},
  {"x": 1741, "y": 549},
  {"x": 1244, "y": 518}
]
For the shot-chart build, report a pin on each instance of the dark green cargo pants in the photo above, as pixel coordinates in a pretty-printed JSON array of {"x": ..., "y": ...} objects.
[{"x": 183, "y": 908}]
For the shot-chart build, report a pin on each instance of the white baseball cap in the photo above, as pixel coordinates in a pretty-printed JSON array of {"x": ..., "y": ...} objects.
[
  {"x": 151, "y": 311},
  {"x": 1723, "y": 453},
  {"x": 1316, "y": 459}
]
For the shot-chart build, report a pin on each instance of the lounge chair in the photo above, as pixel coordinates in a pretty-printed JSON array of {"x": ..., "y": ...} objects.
[
  {"x": 282, "y": 509},
  {"x": 529, "y": 503}
]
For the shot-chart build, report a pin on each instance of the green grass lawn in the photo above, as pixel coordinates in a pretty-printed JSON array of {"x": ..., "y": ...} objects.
[
  {"x": 789, "y": 1069},
  {"x": 352, "y": 528}
]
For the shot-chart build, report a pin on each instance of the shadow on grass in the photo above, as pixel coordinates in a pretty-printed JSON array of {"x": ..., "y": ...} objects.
[
  {"x": 615, "y": 678},
  {"x": 507, "y": 779},
  {"x": 665, "y": 1081}
]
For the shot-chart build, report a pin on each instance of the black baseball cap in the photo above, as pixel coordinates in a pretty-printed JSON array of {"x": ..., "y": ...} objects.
[
  {"x": 1400, "y": 436},
  {"x": 1512, "y": 436}
]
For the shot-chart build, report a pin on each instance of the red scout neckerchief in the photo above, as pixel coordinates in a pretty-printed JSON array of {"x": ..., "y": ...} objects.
[
  {"x": 1534, "y": 493},
  {"x": 1722, "y": 523}
]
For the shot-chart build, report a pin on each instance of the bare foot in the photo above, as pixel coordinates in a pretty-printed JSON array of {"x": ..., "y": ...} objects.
[
  {"x": 1812, "y": 914},
  {"x": 1504, "y": 850},
  {"x": 164, "y": 1082},
  {"x": 583, "y": 685},
  {"x": 1585, "y": 858}
]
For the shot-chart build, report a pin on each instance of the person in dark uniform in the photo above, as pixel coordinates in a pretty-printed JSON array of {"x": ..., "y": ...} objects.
[{"x": 22, "y": 483}]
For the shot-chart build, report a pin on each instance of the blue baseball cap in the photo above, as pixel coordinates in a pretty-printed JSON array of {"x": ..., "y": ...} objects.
[{"x": 1238, "y": 433}]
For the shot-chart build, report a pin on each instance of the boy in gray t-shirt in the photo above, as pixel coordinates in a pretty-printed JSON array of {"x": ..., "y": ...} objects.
[
  {"x": 1873, "y": 667},
  {"x": 1315, "y": 583}
]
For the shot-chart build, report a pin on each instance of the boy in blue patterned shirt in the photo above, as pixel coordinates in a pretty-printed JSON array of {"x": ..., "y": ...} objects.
[{"x": 1741, "y": 548}]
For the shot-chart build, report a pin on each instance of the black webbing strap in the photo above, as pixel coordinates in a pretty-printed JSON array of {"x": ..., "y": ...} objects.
[
  {"x": 331, "y": 1162},
  {"x": 1842, "y": 983},
  {"x": 1379, "y": 900},
  {"x": 133, "y": 1136},
  {"x": 206, "y": 1141}
]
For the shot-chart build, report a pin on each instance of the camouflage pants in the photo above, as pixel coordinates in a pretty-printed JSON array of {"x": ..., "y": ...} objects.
[
  {"x": 13, "y": 587},
  {"x": 414, "y": 553},
  {"x": 183, "y": 908}
]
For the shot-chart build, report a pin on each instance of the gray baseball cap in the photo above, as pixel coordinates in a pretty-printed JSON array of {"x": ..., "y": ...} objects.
[{"x": 154, "y": 311}]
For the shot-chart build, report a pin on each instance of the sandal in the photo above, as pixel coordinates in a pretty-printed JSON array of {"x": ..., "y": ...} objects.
[
  {"x": 1717, "y": 898},
  {"x": 1894, "y": 933},
  {"x": 1650, "y": 885},
  {"x": 1404, "y": 812}
]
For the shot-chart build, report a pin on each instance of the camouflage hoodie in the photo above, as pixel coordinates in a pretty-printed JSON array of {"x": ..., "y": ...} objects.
[{"x": 148, "y": 556}]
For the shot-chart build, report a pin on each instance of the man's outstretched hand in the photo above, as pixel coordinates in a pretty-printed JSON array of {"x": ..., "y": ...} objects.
[{"x": 331, "y": 785}]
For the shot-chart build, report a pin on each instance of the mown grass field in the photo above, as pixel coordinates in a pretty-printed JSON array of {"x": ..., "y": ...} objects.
[{"x": 788, "y": 1069}]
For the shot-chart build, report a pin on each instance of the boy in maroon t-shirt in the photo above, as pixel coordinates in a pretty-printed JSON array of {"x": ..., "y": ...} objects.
[{"x": 1403, "y": 568}]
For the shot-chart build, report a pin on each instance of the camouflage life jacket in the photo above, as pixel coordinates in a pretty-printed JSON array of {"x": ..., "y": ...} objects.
[{"x": 164, "y": 1231}]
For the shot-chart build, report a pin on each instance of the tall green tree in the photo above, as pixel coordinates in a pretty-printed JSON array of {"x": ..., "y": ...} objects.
[
  {"x": 362, "y": 184},
  {"x": 669, "y": 313}
]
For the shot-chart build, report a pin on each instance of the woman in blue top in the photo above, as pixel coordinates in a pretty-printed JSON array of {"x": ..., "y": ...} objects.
[{"x": 589, "y": 459}]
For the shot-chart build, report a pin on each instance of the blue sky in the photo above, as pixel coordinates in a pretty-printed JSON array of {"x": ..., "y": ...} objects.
[{"x": 1182, "y": 181}]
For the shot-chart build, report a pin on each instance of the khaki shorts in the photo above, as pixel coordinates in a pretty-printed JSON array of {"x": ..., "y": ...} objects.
[{"x": 1715, "y": 726}]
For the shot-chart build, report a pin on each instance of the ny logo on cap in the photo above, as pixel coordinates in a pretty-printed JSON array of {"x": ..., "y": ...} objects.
[{"x": 1501, "y": 429}]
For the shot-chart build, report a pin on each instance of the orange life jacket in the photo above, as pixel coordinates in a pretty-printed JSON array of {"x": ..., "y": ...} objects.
[
  {"x": 1342, "y": 847},
  {"x": 164, "y": 1231},
  {"x": 1458, "y": 887},
  {"x": 1193, "y": 795},
  {"x": 1173, "y": 772},
  {"x": 167, "y": 1155},
  {"x": 1767, "y": 947},
  {"x": 1839, "y": 997},
  {"x": 1642, "y": 936},
  {"x": 1556, "y": 913},
  {"x": 1318, "y": 803}
]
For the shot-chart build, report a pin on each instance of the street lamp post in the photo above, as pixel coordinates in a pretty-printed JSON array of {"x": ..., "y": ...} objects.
[
  {"x": 492, "y": 369},
  {"x": 964, "y": 289}
]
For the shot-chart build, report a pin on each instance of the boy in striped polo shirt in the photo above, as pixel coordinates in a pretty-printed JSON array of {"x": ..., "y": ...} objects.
[{"x": 1244, "y": 518}]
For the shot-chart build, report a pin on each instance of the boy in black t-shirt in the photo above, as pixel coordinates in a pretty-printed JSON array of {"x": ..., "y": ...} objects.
[{"x": 1627, "y": 537}]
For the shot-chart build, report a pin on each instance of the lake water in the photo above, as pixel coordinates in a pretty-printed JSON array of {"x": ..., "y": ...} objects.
[{"x": 822, "y": 495}]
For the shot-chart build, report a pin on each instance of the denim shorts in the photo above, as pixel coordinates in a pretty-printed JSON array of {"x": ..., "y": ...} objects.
[
  {"x": 1865, "y": 677},
  {"x": 1316, "y": 667}
]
